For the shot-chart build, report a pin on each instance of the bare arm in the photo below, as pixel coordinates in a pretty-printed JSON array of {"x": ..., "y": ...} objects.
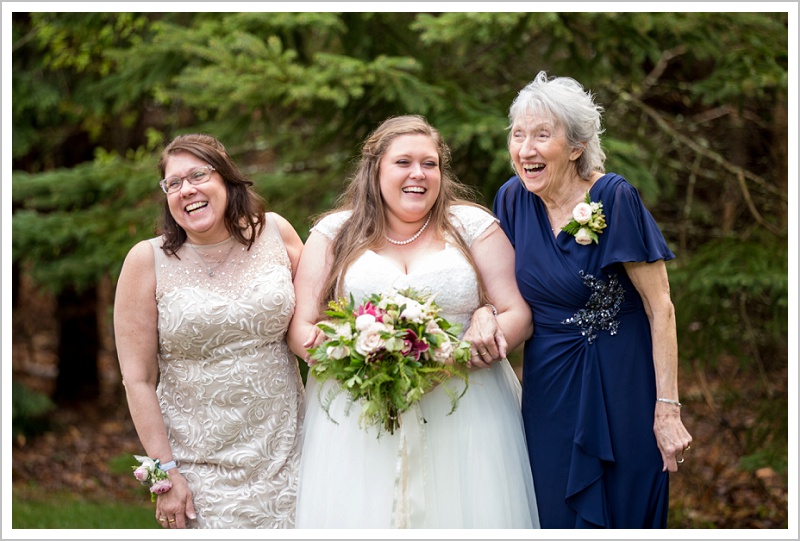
[
  {"x": 136, "y": 337},
  {"x": 494, "y": 256},
  {"x": 292, "y": 241},
  {"x": 311, "y": 273},
  {"x": 652, "y": 283}
]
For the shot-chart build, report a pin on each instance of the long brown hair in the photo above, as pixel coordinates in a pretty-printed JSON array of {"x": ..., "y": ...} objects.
[
  {"x": 244, "y": 213},
  {"x": 365, "y": 228}
]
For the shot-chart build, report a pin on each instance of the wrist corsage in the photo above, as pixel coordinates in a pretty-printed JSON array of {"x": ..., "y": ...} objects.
[
  {"x": 149, "y": 472},
  {"x": 587, "y": 222}
]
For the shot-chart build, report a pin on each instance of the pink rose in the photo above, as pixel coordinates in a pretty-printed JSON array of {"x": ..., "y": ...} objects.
[
  {"x": 368, "y": 308},
  {"x": 141, "y": 473},
  {"x": 582, "y": 213},
  {"x": 160, "y": 487},
  {"x": 583, "y": 236},
  {"x": 370, "y": 341}
]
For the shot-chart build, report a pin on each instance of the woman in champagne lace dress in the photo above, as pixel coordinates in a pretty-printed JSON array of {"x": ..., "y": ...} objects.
[
  {"x": 200, "y": 319},
  {"x": 402, "y": 226}
]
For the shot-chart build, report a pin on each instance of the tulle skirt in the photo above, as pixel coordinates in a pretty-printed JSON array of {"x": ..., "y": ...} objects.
[{"x": 468, "y": 469}]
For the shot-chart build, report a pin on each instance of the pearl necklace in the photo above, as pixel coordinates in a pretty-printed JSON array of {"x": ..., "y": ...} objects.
[
  {"x": 209, "y": 269},
  {"x": 412, "y": 239}
]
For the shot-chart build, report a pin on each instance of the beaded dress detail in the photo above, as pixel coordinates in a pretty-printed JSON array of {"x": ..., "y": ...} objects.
[
  {"x": 601, "y": 309},
  {"x": 230, "y": 390}
]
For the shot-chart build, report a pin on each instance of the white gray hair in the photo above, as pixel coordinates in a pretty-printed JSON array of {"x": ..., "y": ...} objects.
[{"x": 572, "y": 108}]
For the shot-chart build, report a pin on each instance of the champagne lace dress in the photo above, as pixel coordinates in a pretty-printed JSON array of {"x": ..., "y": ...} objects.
[
  {"x": 230, "y": 390},
  {"x": 465, "y": 470}
]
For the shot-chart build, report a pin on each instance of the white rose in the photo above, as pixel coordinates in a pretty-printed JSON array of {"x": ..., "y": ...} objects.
[
  {"x": 432, "y": 327},
  {"x": 582, "y": 213},
  {"x": 444, "y": 351},
  {"x": 364, "y": 321},
  {"x": 338, "y": 352},
  {"x": 344, "y": 331},
  {"x": 413, "y": 312},
  {"x": 583, "y": 237}
]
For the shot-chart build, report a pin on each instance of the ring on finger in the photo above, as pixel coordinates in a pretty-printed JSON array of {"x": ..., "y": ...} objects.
[
  {"x": 171, "y": 520},
  {"x": 681, "y": 460}
]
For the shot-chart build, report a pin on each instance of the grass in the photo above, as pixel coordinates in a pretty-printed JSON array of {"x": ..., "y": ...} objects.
[{"x": 68, "y": 511}]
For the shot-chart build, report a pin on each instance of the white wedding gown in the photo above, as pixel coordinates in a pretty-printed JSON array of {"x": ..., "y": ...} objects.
[{"x": 469, "y": 469}]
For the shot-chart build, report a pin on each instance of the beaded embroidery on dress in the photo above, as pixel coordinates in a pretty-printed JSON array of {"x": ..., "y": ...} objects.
[{"x": 229, "y": 387}]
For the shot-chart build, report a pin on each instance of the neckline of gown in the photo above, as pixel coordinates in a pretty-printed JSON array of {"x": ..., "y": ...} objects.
[{"x": 394, "y": 265}]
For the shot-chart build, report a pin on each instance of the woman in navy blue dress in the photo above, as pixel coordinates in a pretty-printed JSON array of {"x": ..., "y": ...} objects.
[{"x": 600, "y": 386}]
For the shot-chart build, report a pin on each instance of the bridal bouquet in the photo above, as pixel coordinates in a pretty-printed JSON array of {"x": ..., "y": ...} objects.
[{"x": 387, "y": 352}]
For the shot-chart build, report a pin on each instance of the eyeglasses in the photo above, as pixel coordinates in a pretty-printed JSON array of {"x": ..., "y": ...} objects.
[{"x": 195, "y": 177}]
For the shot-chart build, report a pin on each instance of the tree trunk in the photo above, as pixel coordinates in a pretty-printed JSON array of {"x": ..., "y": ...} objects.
[
  {"x": 781, "y": 153},
  {"x": 78, "y": 346}
]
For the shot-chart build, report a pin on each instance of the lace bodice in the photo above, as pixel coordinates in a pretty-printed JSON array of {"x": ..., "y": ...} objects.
[
  {"x": 229, "y": 389},
  {"x": 447, "y": 272}
]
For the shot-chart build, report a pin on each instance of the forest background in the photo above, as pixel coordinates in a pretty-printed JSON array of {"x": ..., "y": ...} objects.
[{"x": 697, "y": 108}]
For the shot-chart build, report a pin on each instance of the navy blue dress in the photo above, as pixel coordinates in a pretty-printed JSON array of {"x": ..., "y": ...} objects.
[{"x": 588, "y": 384}]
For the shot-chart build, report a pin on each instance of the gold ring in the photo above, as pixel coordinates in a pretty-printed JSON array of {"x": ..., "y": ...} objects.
[
  {"x": 162, "y": 519},
  {"x": 681, "y": 460},
  {"x": 688, "y": 447},
  {"x": 483, "y": 352},
  {"x": 171, "y": 520}
]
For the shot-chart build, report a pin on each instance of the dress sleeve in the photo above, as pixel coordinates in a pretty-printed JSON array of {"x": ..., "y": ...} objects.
[
  {"x": 632, "y": 234},
  {"x": 471, "y": 221},
  {"x": 329, "y": 225}
]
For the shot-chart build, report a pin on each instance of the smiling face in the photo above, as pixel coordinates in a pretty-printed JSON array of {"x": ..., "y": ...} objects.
[
  {"x": 410, "y": 179},
  {"x": 542, "y": 157},
  {"x": 199, "y": 210}
]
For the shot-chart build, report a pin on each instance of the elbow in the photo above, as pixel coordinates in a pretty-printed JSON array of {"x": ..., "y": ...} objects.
[{"x": 662, "y": 313}]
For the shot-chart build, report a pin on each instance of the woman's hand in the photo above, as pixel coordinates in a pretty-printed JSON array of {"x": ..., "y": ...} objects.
[
  {"x": 314, "y": 338},
  {"x": 488, "y": 341},
  {"x": 671, "y": 436},
  {"x": 175, "y": 506}
]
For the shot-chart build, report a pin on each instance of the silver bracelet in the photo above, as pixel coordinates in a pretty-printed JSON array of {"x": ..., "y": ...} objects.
[
  {"x": 670, "y": 401},
  {"x": 490, "y": 305}
]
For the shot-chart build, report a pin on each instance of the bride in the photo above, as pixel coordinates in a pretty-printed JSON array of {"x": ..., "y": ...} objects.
[{"x": 402, "y": 224}]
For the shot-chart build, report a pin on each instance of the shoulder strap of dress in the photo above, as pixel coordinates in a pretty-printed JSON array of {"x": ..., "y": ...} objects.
[
  {"x": 273, "y": 228},
  {"x": 276, "y": 233},
  {"x": 158, "y": 253}
]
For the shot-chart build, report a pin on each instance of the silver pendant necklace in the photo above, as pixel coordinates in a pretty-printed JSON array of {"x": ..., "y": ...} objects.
[
  {"x": 412, "y": 239},
  {"x": 210, "y": 270}
]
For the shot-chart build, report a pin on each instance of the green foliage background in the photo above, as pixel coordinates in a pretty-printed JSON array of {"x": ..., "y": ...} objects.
[{"x": 695, "y": 117}]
